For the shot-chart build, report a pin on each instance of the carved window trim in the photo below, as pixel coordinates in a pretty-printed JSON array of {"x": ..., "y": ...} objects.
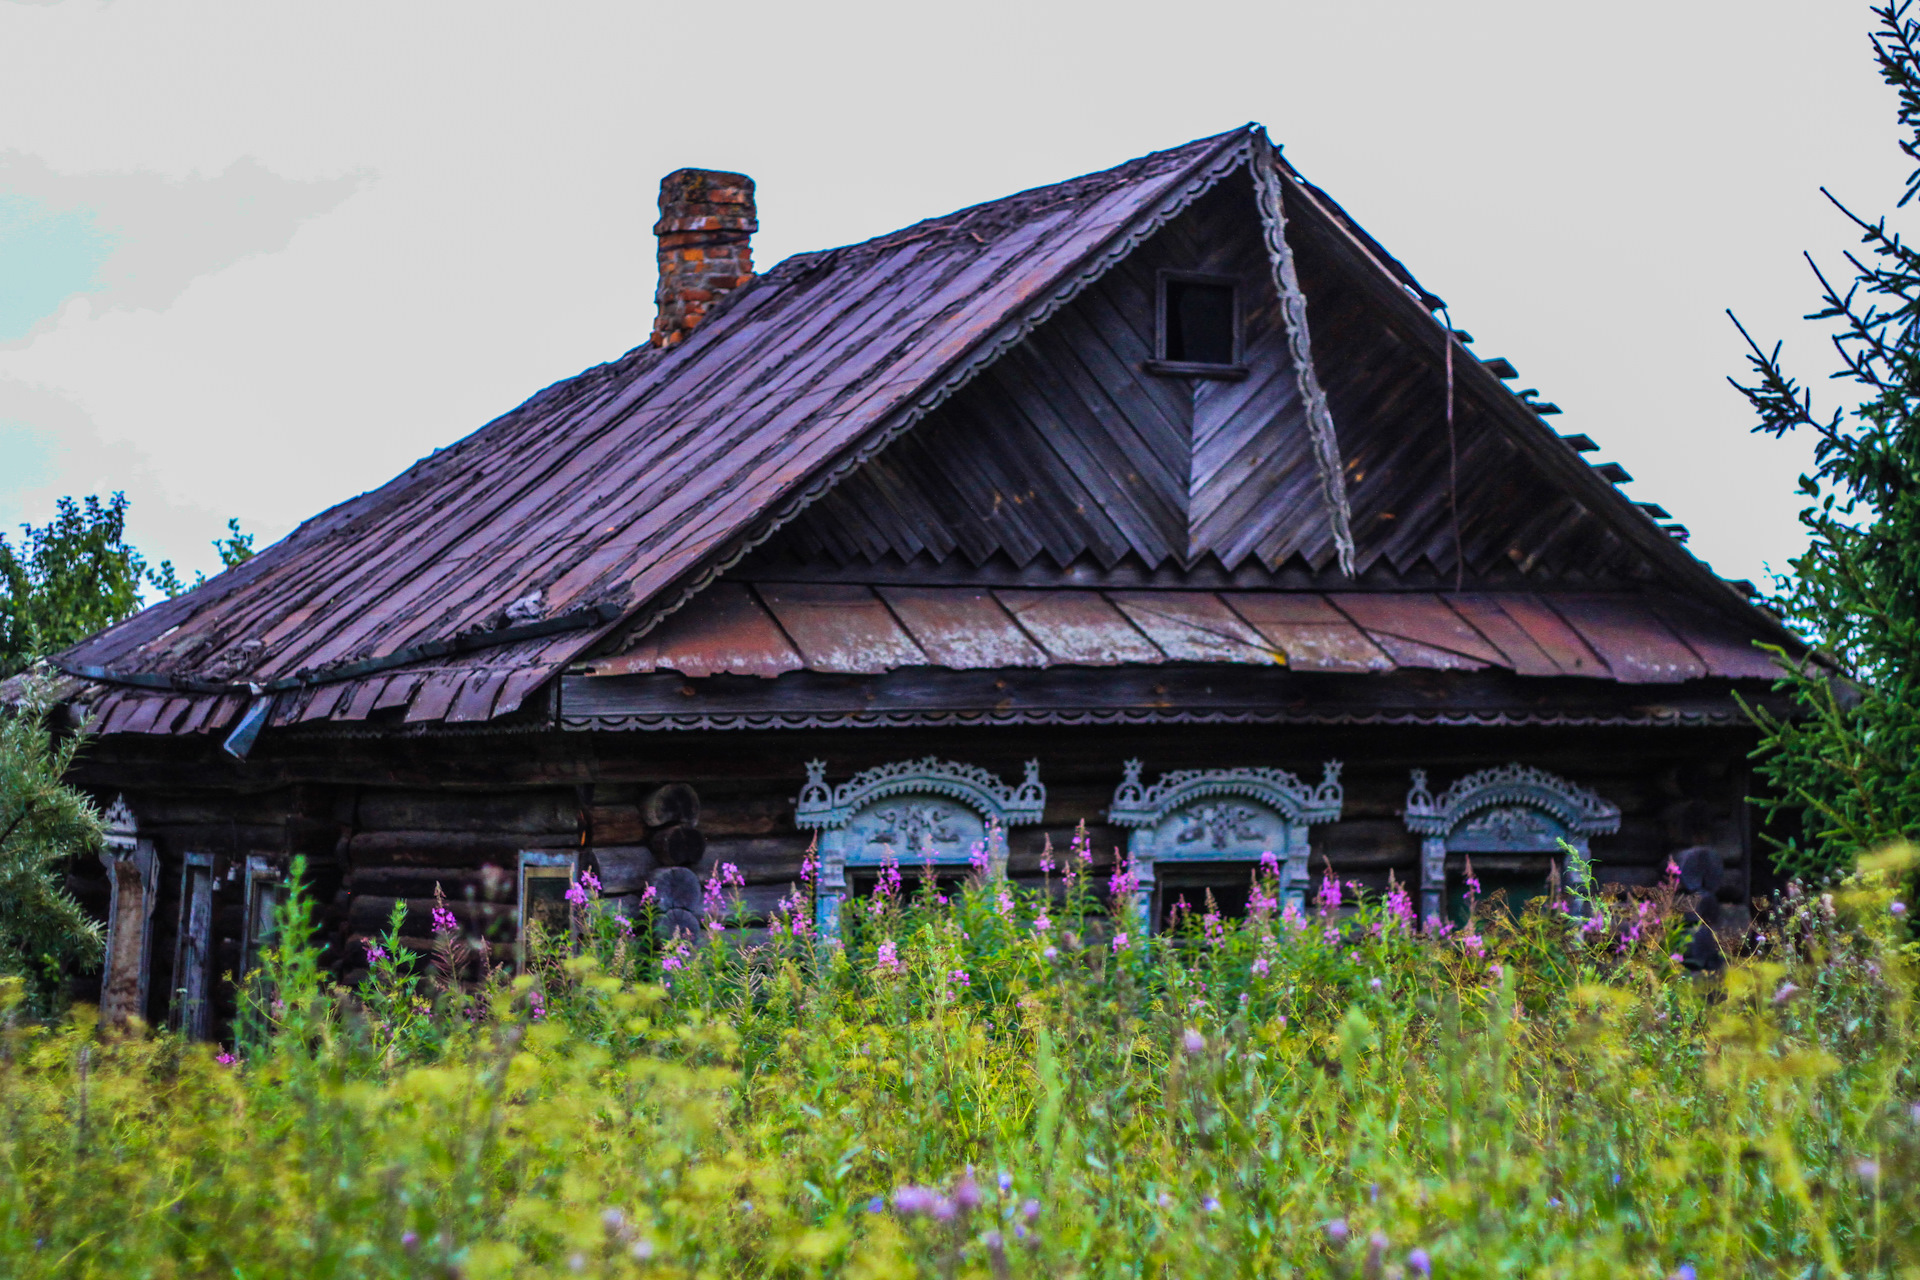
[
  {"x": 1443, "y": 820},
  {"x": 831, "y": 811},
  {"x": 192, "y": 1003},
  {"x": 1296, "y": 805}
]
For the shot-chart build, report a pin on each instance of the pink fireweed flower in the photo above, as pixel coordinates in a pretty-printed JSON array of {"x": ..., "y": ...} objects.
[
  {"x": 676, "y": 955},
  {"x": 1123, "y": 882},
  {"x": 577, "y": 894},
  {"x": 1400, "y": 906},
  {"x": 226, "y": 1059},
  {"x": 1214, "y": 928},
  {"x": 1330, "y": 935},
  {"x": 623, "y": 924},
  {"x": 1046, "y": 855},
  {"x": 1120, "y": 943},
  {"x": 444, "y": 921},
  {"x": 1260, "y": 967},
  {"x": 1003, "y": 901},
  {"x": 959, "y": 978},
  {"x": 1292, "y": 916},
  {"x": 886, "y": 957},
  {"x": 536, "y": 1004},
  {"x": 1328, "y": 899},
  {"x": 1050, "y": 953},
  {"x": 1192, "y": 1041},
  {"x": 977, "y": 857},
  {"x": 649, "y": 894},
  {"x": 1042, "y": 922},
  {"x": 886, "y": 887},
  {"x": 809, "y": 868},
  {"x": 590, "y": 880},
  {"x": 375, "y": 952},
  {"x": 1473, "y": 943}
]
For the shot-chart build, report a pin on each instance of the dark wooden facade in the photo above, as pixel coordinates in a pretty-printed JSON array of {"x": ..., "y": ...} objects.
[{"x": 1047, "y": 542}]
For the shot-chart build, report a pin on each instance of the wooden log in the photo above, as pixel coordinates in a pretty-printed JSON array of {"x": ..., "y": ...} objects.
[
  {"x": 677, "y": 888},
  {"x": 368, "y": 913},
  {"x": 676, "y": 802},
  {"x": 678, "y": 845},
  {"x": 546, "y": 811},
  {"x": 624, "y": 869},
  {"x": 449, "y": 848},
  {"x": 616, "y": 824}
]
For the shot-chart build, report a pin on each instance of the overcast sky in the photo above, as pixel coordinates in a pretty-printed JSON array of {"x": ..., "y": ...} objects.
[{"x": 256, "y": 258}]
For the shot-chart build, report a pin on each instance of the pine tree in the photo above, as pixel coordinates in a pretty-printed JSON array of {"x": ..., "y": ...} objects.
[{"x": 1845, "y": 767}]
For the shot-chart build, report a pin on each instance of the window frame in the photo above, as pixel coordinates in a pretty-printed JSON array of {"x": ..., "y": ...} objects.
[
  {"x": 546, "y": 864},
  {"x": 1234, "y": 369}
]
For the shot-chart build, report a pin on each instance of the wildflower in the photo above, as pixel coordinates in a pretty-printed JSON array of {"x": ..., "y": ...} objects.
[
  {"x": 1867, "y": 1171},
  {"x": 876, "y": 1204},
  {"x": 642, "y": 1250},
  {"x": 1400, "y": 905},
  {"x": 887, "y": 959},
  {"x": 1495, "y": 970},
  {"x": 590, "y": 880},
  {"x": 1337, "y": 1231},
  {"x": 1292, "y": 915},
  {"x": 1120, "y": 942},
  {"x": 1684, "y": 1271},
  {"x": 1898, "y": 908},
  {"x": 1419, "y": 1264},
  {"x": 1042, "y": 923},
  {"x": 536, "y": 1004},
  {"x": 1050, "y": 953},
  {"x": 966, "y": 1192},
  {"x": 649, "y": 895},
  {"x": 375, "y": 952},
  {"x": 977, "y": 857},
  {"x": 1192, "y": 1041},
  {"x": 944, "y": 1209},
  {"x": 1165, "y": 1201},
  {"x": 960, "y": 979},
  {"x": 444, "y": 920},
  {"x": 1030, "y": 1211},
  {"x": 1046, "y": 854},
  {"x": 1123, "y": 882},
  {"x": 577, "y": 1262},
  {"x": 410, "y": 1240},
  {"x": 1006, "y": 1183},
  {"x": 1676, "y": 958},
  {"x": 912, "y": 1200},
  {"x": 1328, "y": 899},
  {"x": 809, "y": 868},
  {"x": 1003, "y": 902},
  {"x": 713, "y": 896},
  {"x": 1786, "y": 992},
  {"x": 577, "y": 894},
  {"x": 1260, "y": 967},
  {"x": 226, "y": 1059},
  {"x": 1210, "y": 1204},
  {"x": 1474, "y": 943},
  {"x": 1375, "y": 983}
]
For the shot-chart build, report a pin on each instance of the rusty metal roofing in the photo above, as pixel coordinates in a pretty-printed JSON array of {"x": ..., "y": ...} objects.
[
  {"x": 625, "y": 486},
  {"x": 610, "y": 500},
  {"x": 1631, "y": 639}
]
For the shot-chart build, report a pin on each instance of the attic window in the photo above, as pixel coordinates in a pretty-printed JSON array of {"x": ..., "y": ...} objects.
[{"x": 1198, "y": 327}]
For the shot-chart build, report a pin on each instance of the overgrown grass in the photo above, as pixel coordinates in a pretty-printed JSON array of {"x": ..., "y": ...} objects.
[{"x": 1004, "y": 1084}]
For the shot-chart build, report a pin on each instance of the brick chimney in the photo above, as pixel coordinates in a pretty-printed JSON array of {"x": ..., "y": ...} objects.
[{"x": 707, "y": 220}]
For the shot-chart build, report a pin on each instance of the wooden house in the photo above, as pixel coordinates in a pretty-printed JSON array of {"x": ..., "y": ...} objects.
[{"x": 1159, "y": 500}]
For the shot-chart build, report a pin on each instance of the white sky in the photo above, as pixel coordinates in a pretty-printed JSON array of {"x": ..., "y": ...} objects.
[{"x": 256, "y": 257}]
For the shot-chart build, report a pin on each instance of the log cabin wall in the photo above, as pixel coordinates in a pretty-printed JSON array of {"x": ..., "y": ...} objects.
[{"x": 382, "y": 822}]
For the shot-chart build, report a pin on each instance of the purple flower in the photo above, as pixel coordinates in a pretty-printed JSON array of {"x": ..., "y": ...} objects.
[
  {"x": 1337, "y": 1231},
  {"x": 913, "y": 1200},
  {"x": 1120, "y": 941},
  {"x": 1192, "y": 1041},
  {"x": 1006, "y": 1183},
  {"x": 410, "y": 1241},
  {"x": 1684, "y": 1271},
  {"x": 960, "y": 979},
  {"x": 1898, "y": 908},
  {"x": 1786, "y": 992},
  {"x": 966, "y": 1192},
  {"x": 375, "y": 952},
  {"x": 1419, "y": 1263},
  {"x": 944, "y": 1209},
  {"x": 1030, "y": 1211},
  {"x": 876, "y": 1204},
  {"x": 1210, "y": 1204},
  {"x": 444, "y": 921},
  {"x": 576, "y": 894},
  {"x": 226, "y": 1059},
  {"x": 1049, "y": 953},
  {"x": 1375, "y": 984}
]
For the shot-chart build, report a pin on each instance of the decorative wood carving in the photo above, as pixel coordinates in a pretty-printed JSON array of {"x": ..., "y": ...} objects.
[
  {"x": 1510, "y": 809},
  {"x": 132, "y": 871},
  {"x": 1219, "y": 815},
  {"x": 925, "y": 811}
]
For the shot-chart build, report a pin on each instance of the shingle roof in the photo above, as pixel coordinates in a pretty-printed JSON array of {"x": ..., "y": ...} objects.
[{"x": 626, "y": 487}]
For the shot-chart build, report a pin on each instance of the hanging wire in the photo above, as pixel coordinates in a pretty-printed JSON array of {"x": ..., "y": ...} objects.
[{"x": 1453, "y": 459}]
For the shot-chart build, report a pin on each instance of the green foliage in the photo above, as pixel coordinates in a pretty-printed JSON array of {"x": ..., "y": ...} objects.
[
  {"x": 67, "y": 579},
  {"x": 1848, "y": 763},
  {"x": 43, "y": 823},
  {"x": 1006, "y": 1083},
  {"x": 77, "y": 573}
]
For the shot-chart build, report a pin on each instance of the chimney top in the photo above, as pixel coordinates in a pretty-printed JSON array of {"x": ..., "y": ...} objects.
[{"x": 707, "y": 220}]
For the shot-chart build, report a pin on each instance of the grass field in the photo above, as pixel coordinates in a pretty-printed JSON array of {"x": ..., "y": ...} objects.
[{"x": 1009, "y": 1083}]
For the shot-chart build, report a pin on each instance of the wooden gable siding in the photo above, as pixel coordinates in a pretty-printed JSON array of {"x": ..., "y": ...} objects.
[{"x": 1068, "y": 448}]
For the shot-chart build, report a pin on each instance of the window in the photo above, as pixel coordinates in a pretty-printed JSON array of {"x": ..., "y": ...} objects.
[
  {"x": 1198, "y": 326},
  {"x": 545, "y": 878}
]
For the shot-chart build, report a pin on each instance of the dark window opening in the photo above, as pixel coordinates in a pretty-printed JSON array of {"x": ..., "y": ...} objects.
[{"x": 1198, "y": 322}]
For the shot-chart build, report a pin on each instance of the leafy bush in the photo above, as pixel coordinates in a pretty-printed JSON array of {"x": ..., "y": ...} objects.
[
  {"x": 1004, "y": 1083},
  {"x": 43, "y": 823}
]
